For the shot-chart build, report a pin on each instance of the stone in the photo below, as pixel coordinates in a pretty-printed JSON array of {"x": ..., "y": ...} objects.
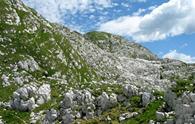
[
  {"x": 5, "y": 80},
  {"x": 128, "y": 115},
  {"x": 170, "y": 98},
  {"x": 29, "y": 64},
  {"x": 121, "y": 98},
  {"x": 192, "y": 96},
  {"x": 50, "y": 117},
  {"x": 68, "y": 99},
  {"x": 151, "y": 122},
  {"x": 113, "y": 100},
  {"x": 130, "y": 90},
  {"x": 146, "y": 98},
  {"x": 103, "y": 101},
  {"x": 81, "y": 101},
  {"x": 29, "y": 97},
  {"x": 193, "y": 107},
  {"x": 185, "y": 98},
  {"x": 108, "y": 118},
  {"x": 160, "y": 116},
  {"x": 121, "y": 118},
  {"x": 184, "y": 109},
  {"x": 43, "y": 94},
  {"x": 67, "y": 116}
]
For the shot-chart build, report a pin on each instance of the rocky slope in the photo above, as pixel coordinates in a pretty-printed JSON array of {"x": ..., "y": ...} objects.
[{"x": 51, "y": 74}]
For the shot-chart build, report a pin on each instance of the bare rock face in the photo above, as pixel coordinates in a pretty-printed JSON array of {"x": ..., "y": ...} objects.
[{"x": 29, "y": 97}]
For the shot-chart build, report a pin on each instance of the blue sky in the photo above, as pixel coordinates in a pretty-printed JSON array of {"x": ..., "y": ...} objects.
[{"x": 166, "y": 27}]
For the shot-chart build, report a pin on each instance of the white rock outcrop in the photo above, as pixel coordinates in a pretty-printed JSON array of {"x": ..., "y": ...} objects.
[
  {"x": 77, "y": 104},
  {"x": 29, "y": 97},
  {"x": 104, "y": 101}
]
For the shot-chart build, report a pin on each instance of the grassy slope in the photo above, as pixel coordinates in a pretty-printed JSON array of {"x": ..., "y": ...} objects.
[{"x": 42, "y": 45}]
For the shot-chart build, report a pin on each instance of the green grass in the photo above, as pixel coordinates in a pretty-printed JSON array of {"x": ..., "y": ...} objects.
[
  {"x": 6, "y": 92},
  {"x": 183, "y": 85},
  {"x": 147, "y": 115},
  {"x": 95, "y": 36},
  {"x": 15, "y": 117}
]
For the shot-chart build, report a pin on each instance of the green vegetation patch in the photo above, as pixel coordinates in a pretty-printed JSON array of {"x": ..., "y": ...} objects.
[
  {"x": 183, "y": 85},
  {"x": 95, "y": 36},
  {"x": 6, "y": 92},
  {"x": 148, "y": 114},
  {"x": 15, "y": 117}
]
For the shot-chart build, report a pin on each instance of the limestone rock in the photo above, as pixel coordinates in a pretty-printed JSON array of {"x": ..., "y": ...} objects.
[
  {"x": 146, "y": 98},
  {"x": 43, "y": 94},
  {"x": 104, "y": 101},
  {"x": 130, "y": 90},
  {"x": 192, "y": 96},
  {"x": 160, "y": 116},
  {"x": 27, "y": 97},
  {"x": 50, "y": 117}
]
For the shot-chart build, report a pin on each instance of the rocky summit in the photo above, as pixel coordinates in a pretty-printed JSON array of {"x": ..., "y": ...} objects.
[{"x": 51, "y": 74}]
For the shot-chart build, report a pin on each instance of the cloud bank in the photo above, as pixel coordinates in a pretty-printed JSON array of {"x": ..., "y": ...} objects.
[
  {"x": 169, "y": 19},
  {"x": 179, "y": 56}
]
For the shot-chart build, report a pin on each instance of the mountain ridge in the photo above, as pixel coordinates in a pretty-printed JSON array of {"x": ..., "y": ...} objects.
[{"x": 51, "y": 74}]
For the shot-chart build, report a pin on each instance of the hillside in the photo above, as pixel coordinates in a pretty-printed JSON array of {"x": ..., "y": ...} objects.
[{"x": 51, "y": 74}]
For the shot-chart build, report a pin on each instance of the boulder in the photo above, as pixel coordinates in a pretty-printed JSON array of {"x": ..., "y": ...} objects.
[
  {"x": 68, "y": 99},
  {"x": 192, "y": 96},
  {"x": 185, "y": 98},
  {"x": 170, "y": 98},
  {"x": 113, "y": 100},
  {"x": 67, "y": 116},
  {"x": 130, "y": 90},
  {"x": 146, "y": 98},
  {"x": 50, "y": 117},
  {"x": 128, "y": 115},
  {"x": 29, "y": 97},
  {"x": 160, "y": 116},
  {"x": 5, "y": 80},
  {"x": 80, "y": 102},
  {"x": 43, "y": 94},
  {"x": 103, "y": 101}
]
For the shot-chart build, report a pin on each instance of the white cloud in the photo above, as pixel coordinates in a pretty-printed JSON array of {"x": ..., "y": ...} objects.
[
  {"x": 169, "y": 19},
  {"x": 121, "y": 25},
  {"x": 179, "y": 56},
  {"x": 56, "y": 10}
]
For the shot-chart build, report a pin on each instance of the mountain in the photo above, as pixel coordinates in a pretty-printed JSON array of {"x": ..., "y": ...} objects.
[{"x": 51, "y": 74}]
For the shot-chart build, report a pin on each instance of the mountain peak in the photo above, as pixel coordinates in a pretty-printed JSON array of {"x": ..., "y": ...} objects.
[{"x": 118, "y": 45}]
